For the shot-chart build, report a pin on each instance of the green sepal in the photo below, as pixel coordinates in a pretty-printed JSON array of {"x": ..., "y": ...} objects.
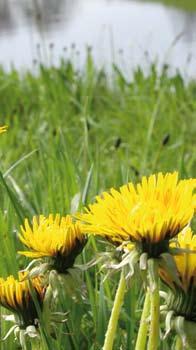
[
  {"x": 14, "y": 329},
  {"x": 167, "y": 262},
  {"x": 39, "y": 270},
  {"x": 179, "y": 326},
  {"x": 168, "y": 323},
  {"x": 32, "y": 332},
  {"x": 143, "y": 262},
  {"x": 190, "y": 331}
]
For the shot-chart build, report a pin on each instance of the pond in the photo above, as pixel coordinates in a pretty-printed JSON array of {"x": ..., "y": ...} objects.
[{"x": 127, "y": 32}]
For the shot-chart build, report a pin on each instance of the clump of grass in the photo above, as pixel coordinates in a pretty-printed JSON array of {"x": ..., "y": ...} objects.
[{"x": 71, "y": 135}]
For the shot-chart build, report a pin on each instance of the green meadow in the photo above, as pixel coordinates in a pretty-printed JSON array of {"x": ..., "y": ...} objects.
[
  {"x": 187, "y": 5},
  {"x": 71, "y": 135}
]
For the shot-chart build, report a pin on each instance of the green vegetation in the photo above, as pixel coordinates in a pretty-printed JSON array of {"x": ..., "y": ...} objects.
[
  {"x": 72, "y": 135},
  {"x": 188, "y": 5}
]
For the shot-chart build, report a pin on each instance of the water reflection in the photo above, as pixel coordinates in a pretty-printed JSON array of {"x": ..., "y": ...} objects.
[
  {"x": 137, "y": 27},
  {"x": 51, "y": 14},
  {"x": 184, "y": 22},
  {"x": 7, "y": 21},
  {"x": 48, "y": 14}
]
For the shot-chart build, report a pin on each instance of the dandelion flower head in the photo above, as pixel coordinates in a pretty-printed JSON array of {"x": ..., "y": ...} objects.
[
  {"x": 153, "y": 211},
  {"x": 53, "y": 236}
]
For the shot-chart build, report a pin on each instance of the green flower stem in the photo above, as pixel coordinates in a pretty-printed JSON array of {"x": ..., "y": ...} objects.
[
  {"x": 46, "y": 313},
  {"x": 143, "y": 330},
  {"x": 155, "y": 304},
  {"x": 111, "y": 330},
  {"x": 36, "y": 345},
  {"x": 178, "y": 344}
]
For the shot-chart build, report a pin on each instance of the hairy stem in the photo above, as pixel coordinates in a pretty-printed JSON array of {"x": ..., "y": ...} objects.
[
  {"x": 178, "y": 343},
  {"x": 112, "y": 325},
  {"x": 154, "y": 304},
  {"x": 143, "y": 329}
]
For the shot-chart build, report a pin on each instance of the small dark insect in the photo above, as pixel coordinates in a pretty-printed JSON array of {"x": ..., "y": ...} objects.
[
  {"x": 165, "y": 139},
  {"x": 135, "y": 170},
  {"x": 88, "y": 125},
  {"x": 118, "y": 142}
]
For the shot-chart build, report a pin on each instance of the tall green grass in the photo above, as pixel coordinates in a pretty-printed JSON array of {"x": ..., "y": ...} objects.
[
  {"x": 187, "y": 5},
  {"x": 72, "y": 135}
]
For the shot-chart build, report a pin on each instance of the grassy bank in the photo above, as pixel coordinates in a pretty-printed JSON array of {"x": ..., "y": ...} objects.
[
  {"x": 72, "y": 135},
  {"x": 187, "y": 5}
]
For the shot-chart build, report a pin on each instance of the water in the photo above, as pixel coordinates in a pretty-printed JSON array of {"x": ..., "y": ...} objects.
[{"x": 129, "y": 33}]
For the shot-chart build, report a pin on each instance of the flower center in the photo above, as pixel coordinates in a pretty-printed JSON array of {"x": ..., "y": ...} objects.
[
  {"x": 27, "y": 313},
  {"x": 154, "y": 250},
  {"x": 62, "y": 262}
]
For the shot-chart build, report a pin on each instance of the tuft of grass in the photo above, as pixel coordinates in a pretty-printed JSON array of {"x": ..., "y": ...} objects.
[{"x": 72, "y": 135}]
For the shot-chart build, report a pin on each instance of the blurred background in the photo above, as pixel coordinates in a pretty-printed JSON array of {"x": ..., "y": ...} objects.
[
  {"x": 129, "y": 33},
  {"x": 95, "y": 93}
]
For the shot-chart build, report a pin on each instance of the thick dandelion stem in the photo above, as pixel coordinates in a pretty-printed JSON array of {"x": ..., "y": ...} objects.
[
  {"x": 143, "y": 329},
  {"x": 178, "y": 343},
  {"x": 154, "y": 304},
  {"x": 111, "y": 330},
  {"x": 36, "y": 345}
]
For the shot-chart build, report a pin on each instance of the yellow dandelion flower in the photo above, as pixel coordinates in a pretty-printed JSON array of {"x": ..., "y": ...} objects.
[
  {"x": 153, "y": 211},
  {"x": 53, "y": 236},
  {"x": 3, "y": 129},
  {"x": 15, "y": 295},
  {"x": 185, "y": 261},
  {"x": 181, "y": 298}
]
